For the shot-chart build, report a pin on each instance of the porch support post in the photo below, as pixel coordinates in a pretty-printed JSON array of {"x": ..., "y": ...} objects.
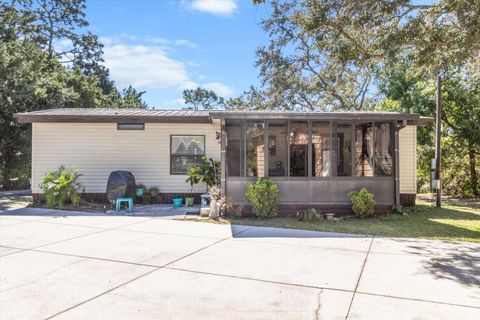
[{"x": 223, "y": 156}]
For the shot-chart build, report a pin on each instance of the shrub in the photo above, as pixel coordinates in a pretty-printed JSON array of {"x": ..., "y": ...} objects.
[
  {"x": 263, "y": 196},
  {"x": 61, "y": 187},
  {"x": 363, "y": 202}
]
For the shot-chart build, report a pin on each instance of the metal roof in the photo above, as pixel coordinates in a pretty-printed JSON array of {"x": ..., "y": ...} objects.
[
  {"x": 99, "y": 115},
  {"x": 319, "y": 115},
  {"x": 114, "y": 115}
]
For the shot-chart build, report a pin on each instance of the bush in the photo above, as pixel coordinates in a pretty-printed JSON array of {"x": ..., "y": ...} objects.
[
  {"x": 458, "y": 185},
  {"x": 263, "y": 196},
  {"x": 363, "y": 203},
  {"x": 61, "y": 187}
]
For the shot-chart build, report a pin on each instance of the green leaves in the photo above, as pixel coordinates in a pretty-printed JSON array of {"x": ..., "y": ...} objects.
[
  {"x": 202, "y": 99},
  {"x": 36, "y": 73},
  {"x": 61, "y": 187},
  {"x": 208, "y": 172},
  {"x": 363, "y": 203},
  {"x": 263, "y": 196}
]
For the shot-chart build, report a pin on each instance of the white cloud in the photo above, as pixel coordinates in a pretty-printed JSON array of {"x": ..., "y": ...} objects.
[
  {"x": 186, "y": 43},
  {"x": 220, "y": 89},
  {"x": 150, "y": 66},
  {"x": 224, "y": 8},
  {"x": 144, "y": 67}
]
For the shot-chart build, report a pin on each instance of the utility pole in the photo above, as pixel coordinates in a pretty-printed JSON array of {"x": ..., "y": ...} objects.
[{"x": 438, "y": 137}]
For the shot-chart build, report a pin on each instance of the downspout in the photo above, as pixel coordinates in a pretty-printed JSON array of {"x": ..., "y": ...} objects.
[
  {"x": 397, "y": 162},
  {"x": 223, "y": 157}
]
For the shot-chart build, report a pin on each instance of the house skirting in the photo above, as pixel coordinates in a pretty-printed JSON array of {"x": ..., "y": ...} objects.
[
  {"x": 408, "y": 199},
  {"x": 163, "y": 198},
  {"x": 286, "y": 210}
]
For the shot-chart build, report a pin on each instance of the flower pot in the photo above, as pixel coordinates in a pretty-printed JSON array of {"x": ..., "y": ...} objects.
[
  {"x": 189, "y": 201},
  {"x": 205, "y": 200},
  {"x": 177, "y": 202},
  {"x": 139, "y": 192}
]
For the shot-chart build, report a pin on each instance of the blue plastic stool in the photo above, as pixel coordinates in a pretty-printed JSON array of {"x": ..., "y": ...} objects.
[{"x": 119, "y": 202}]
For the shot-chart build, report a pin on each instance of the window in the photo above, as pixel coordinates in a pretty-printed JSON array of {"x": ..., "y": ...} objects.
[
  {"x": 235, "y": 158},
  {"x": 130, "y": 126},
  {"x": 255, "y": 149},
  {"x": 298, "y": 136},
  {"x": 383, "y": 150},
  {"x": 342, "y": 138},
  {"x": 185, "y": 152},
  {"x": 277, "y": 148}
]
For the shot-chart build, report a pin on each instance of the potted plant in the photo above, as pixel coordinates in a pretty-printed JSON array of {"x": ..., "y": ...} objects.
[
  {"x": 208, "y": 172},
  {"x": 150, "y": 195},
  {"x": 194, "y": 177},
  {"x": 140, "y": 189}
]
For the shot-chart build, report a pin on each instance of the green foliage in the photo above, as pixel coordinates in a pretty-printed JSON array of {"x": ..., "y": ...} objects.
[
  {"x": 327, "y": 54},
  {"x": 263, "y": 196},
  {"x": 307, "y": 215},
  {"x": 150, "y": 195},
  {"x": 194, "y": 176},
  {"x": 208, "y": 172},
  {"x": 409, "y": 92},
  {"x": 202, "y": 99},
  {"x": 35, "y": 75},
  {"x": 131, "y": 98},
  {"x": 363, "y": 202},
  {"x": 61, "y": 187}
]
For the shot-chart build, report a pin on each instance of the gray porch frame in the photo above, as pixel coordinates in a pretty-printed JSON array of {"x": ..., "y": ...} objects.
[{"x": 309, "y": 190}]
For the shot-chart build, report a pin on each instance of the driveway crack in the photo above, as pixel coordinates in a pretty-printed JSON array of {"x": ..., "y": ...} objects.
[{"x": 359, "y": 277}]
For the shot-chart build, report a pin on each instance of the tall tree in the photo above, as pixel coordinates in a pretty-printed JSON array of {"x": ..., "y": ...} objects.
[
  {"x": 412, "y": 93},
  {"x": 326, "y": 53},
  {"x": 131, "y": 98},
  {"x": 202, "y": 99},
  {"x": 37, "y": 72},
  {"x": 32, "y": 80}
]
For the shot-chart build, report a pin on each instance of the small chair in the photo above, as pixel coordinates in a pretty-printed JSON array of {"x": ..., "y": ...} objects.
[{"x": 119, "y": 201}]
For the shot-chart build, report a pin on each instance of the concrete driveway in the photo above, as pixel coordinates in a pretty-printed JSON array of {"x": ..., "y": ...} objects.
[{"x": 95, "y": 266}]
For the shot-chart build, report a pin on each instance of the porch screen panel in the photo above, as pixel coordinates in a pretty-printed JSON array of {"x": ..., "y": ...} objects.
[
  {"x": 364, "y": 149},
  {"x": 254, "y": 144},
  {"x": 298, "y": 144},
  {"x": 322, "y": 149},
  {"x": 277, "y": 148},
  {"x": 383, "y": 150},
  {"x": 342, "y": 145},
  {"x": 235, "y": 154}
]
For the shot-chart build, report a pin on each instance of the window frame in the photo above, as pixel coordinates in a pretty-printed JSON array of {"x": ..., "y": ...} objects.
[
  {"x": 141, "y": 126},
  {"x": 172, "y": 155}
]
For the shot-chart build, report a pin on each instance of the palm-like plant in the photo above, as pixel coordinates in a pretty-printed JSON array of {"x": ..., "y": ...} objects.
[{"x": 61, "y": 187}]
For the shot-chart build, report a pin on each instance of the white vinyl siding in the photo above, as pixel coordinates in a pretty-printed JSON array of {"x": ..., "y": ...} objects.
[
  {"x": 408, "y": 159},
  {"x": 97, "y": 149}
]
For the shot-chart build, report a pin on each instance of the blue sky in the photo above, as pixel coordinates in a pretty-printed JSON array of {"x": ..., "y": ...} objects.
[{"x": 166, "y": 46}]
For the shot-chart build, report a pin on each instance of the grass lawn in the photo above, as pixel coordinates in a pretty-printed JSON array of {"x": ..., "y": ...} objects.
[{"x": 454, "y": 221}]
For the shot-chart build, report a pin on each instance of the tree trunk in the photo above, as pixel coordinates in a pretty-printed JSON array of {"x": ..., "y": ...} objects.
[{"x": 473, "y": 170}]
